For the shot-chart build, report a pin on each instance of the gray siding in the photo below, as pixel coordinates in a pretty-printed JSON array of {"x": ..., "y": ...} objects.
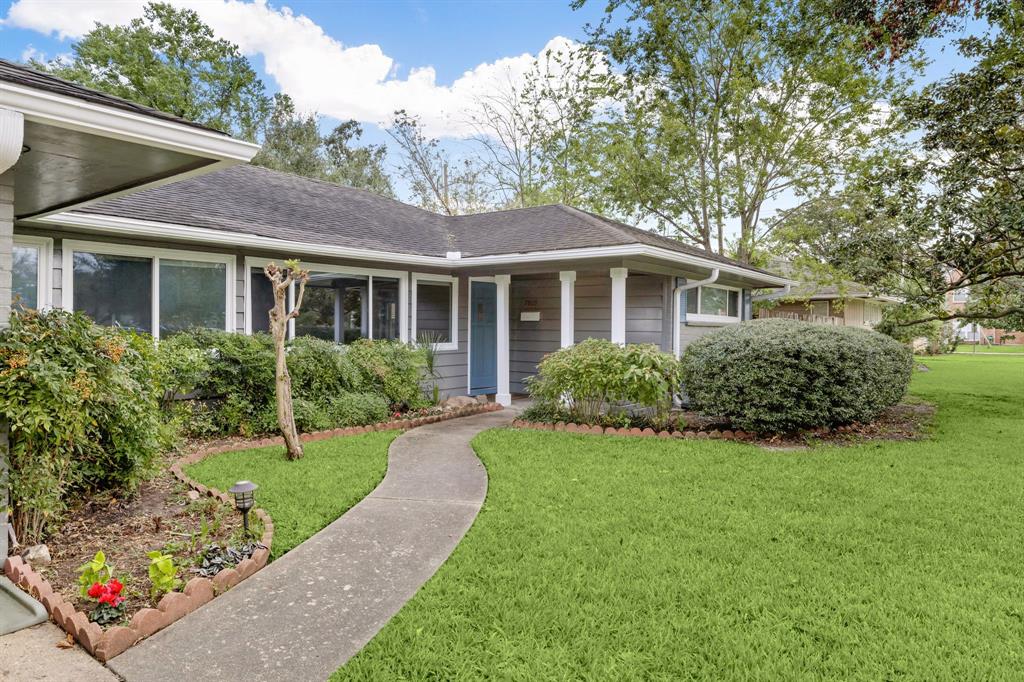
[
  {"x": 529, "y": 342},
  {"x": 593, "y": 306},
  {"x": 645, "y": 308},
  {"x": 451, "y": 364}
]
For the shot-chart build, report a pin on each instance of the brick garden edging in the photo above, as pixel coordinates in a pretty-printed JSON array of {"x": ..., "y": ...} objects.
[
  {"x": 634, "y": 431},
  {"x": 106, "y": 644}
]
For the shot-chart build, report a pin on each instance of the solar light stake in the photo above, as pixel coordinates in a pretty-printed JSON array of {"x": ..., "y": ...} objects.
[{"x": 244, "y": 492}]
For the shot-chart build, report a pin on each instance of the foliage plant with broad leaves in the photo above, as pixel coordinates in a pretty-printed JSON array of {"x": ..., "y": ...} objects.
[
  {"x": 92, "y": 572},
  {"x": 590, "y": 378},
  {"x": 163, "y": 574}
]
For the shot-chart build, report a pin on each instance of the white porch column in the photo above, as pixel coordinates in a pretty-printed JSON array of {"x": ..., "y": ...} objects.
[
  {"x": 568, "y": 278},
  {"x": 504, "y": 396},
  {"x": 618, "y": 276}
]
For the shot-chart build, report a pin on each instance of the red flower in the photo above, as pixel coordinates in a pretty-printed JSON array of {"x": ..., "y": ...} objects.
[
  {"x": 96, "y": 590},
  {"x": 107, "y": 597},
  {"x": 115, "y": 586}
]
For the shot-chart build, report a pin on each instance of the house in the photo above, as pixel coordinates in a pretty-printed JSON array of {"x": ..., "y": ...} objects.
[
  {"x": 494, "y": 292},
  {"x": 848, "y": 305},
  {"x": 972, "y": 332}
]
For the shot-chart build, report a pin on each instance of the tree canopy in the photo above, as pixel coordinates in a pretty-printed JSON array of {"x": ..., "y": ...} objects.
[
  {"x": 170, "y": 60},
  {"x": 947, "y": 212}
]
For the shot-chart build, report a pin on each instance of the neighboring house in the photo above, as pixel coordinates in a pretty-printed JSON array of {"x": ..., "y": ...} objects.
[
  {"x": 851, "y": 305},
  {"x": 971, "y": 332},
  {"x": 495, "y": 291}
]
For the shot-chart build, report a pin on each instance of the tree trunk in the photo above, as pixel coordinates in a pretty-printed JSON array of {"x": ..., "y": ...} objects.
[{"x": 282, "y": 280}]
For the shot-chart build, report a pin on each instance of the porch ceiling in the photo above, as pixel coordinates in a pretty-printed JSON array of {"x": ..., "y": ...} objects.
[{"x": 59, "y": 167}]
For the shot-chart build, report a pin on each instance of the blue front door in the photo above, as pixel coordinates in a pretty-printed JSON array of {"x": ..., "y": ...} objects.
[{"x": 483, "y": 338}]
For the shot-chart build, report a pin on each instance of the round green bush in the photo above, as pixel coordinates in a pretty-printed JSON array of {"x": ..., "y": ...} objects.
[{"x": 782, "y": 375}]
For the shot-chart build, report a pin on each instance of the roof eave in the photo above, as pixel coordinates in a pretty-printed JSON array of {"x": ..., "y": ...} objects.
[
  {"x": 152, "y": 229},
  {"x": 68, "y": 112}
]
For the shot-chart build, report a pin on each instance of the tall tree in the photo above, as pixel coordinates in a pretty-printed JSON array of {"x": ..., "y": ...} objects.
[
  {"x": 170, "y": 60},
  {"x": 947, "y": 214},
  {"x": 725, "y": 107},
  {"x": 292, "y": 142},
  {"x": 438, "y": 181},
  {"x": 534, "y": 135}
]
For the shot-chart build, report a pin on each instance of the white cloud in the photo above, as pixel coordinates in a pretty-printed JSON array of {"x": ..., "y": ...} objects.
[{"x": 320, "y": 72}]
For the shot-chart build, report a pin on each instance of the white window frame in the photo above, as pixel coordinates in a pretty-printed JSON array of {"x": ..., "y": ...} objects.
[
  {"x": 70, "y": 247},
  {"x": 700, "y": 318},
  {"x": 418, "y": 277},
  {"x": 44, "y": 246},
  {"x": 401, "y": 275}
]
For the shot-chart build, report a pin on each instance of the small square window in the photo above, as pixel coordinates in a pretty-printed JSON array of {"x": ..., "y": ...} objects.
[{"x": 435, "y": 312}]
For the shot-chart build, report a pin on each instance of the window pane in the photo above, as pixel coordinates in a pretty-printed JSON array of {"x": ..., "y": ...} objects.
[
  {"x": 316, "y": 317},
  {"x": 354, "y": 321},
  {"x": 434, "y": 312},
  {"x": 691, "y": 301},
  {"x": 114, "y": 290},
  {"x": 262, "y": 300},
  {"x": 25, "y": 276},
  {"x": 734, "y": 304},
  {"x": 385, "y": 308},
  {"x": 192, "y": 294},
  {"x": 714, "y": 301}
]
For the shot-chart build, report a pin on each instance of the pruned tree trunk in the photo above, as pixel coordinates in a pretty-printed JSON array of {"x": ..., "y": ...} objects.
[{"x": 281, "y": 280}]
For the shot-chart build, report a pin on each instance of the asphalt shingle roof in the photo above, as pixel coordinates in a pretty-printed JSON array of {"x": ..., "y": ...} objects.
[
  {"x": 252, "y": 200},
  {"x": 22, "y": 75}
]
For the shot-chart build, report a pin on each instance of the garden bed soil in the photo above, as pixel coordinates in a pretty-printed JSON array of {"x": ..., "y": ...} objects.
[{"x": 160, "y": 516}]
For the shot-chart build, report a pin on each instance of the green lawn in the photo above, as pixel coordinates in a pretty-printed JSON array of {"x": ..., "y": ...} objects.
[
  {"x": 1012, "y": 349},
  {"x": 303, "y": 496},
  {"x": 617, "y": 558}
]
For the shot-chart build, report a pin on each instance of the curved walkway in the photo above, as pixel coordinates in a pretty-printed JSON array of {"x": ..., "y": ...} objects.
[{"x": 305, "y": 614}]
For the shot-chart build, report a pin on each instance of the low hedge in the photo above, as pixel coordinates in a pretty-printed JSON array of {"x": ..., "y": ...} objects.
[
  {"x": 229, "y": 379},
  {"x": 783, "y": 375}
]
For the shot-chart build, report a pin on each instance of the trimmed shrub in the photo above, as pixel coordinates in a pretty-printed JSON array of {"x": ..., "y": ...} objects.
[
  {"x": 356, "y": 409},
  {"x": 230, "y": 380},
  {"x": 782, "y": 375},
  {"x": 82, "y": 405},
  {"x": 591, "y": 377},
  {"x": 391, "y": 368}
]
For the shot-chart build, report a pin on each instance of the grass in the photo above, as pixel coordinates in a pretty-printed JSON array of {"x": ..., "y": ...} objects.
[
  {"x": 305, "y": 495},
  {"x": 982, "y": 348},
  {"x": 618, "y": 558}
]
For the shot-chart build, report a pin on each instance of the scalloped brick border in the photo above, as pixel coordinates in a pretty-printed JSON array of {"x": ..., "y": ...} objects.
[
  {"x": 634, "y": 431},
  {"x": 106, "y": 644}
]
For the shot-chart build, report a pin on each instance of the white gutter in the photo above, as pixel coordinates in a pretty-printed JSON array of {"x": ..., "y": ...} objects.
[{"x": 677, "y": 348}]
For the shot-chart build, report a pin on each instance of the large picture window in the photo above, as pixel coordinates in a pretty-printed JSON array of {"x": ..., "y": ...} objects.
[
  {"x": 712, "y": 304},
  {"x": 30, "y": 265},
  {"x": 435, "y": 311},
  {"x": 157, "y": 291},
  {"x": 340, "y": 304}
]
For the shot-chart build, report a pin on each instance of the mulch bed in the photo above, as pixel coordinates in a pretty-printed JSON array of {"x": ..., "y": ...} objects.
[
  {"x": 907, "y": 421},
  {"x": 160, "y": 516}
]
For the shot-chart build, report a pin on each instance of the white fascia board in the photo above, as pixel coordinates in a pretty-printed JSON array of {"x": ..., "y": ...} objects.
[
  {"x": 625, "y": 251},
  {"x": 75, "y": 114},
  {"x": 152, "y": 229}
]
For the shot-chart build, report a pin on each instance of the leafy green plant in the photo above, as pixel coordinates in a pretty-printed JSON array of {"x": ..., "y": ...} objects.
[
  {"x": 428, "y": 343},
  {"x": 81, "y": 403},
  {"x": 596, "y": 376},
  {"x": 94, "y": 571},
  {"x": 163, "y": 574},
  {"x": 777, "y": 375}
]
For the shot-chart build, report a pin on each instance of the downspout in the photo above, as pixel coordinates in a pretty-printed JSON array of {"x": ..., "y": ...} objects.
[{"x": 677, "y": 301}]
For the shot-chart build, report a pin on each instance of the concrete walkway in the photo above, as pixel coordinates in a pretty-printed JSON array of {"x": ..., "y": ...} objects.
[
  {"x": 32, "y": 655},
  {"x": 308, "y": 612}
]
